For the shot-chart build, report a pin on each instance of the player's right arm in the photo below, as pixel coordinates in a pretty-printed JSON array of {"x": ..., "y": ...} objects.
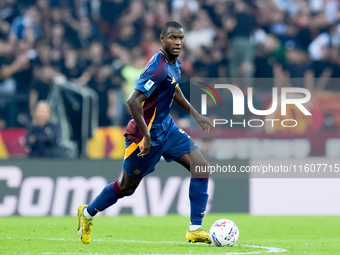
[{"x": 135, "y": 104}]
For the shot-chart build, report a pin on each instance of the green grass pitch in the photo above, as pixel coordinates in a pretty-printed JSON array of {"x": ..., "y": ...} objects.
[{"x": 166, "y": 235}]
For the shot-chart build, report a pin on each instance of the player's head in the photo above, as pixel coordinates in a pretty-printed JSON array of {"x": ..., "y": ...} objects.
[{"x": 172, "y": 38}]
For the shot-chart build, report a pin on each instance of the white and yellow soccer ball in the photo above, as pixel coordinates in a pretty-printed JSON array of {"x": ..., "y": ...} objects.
[{"x": 224, "y": 232}]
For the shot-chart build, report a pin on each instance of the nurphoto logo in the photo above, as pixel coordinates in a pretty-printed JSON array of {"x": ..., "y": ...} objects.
[{"x": 287, "y": 96}]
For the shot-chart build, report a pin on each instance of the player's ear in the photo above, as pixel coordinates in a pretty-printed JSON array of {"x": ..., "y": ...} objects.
[{"x": 161, "y": 37}]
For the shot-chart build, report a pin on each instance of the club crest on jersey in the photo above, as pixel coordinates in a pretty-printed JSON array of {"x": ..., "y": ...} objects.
[{"x": 148, "y": 85}]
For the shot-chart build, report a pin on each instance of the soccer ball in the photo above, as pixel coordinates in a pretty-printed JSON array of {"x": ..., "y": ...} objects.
[{"x": 224, "y": 232}]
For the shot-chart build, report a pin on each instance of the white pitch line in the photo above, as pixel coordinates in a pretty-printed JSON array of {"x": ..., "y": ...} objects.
[
  {"x": 267, "y": 249},
  {"x": 123, "y": 241}
]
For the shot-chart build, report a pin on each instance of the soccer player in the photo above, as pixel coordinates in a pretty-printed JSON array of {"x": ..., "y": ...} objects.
[{"x": 152, "y": 133}]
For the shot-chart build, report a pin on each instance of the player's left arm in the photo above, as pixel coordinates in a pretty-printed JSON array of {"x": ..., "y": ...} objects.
[{"x": 203, "y": 121}]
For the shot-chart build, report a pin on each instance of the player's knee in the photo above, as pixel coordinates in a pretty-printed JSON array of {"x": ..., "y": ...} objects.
[
  {"x": 200, "y": 170},
  {"x": 204, "y": 163},
  {"x": 127, "y": 190},
  {"x": 199, "y": 162}
]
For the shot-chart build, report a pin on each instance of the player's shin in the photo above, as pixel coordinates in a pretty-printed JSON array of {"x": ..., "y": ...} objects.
[
  {"x": 198, "y": 200},
  {"x": 109, "y": 196},
  {"x": 198, "y": 194}
]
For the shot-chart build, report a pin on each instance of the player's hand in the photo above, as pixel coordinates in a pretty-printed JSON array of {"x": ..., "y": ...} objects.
[
  {"x": 145, "y": 147},
  {"x": 204, "y": 122}
]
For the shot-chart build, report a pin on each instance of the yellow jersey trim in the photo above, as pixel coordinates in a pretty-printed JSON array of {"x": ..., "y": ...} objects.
[{"x": 133, "y": 146}]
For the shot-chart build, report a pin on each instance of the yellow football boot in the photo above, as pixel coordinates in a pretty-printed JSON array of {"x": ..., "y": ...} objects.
[
  {"x": 84, "y": 225},
  {"x": 198, "y": 235}
]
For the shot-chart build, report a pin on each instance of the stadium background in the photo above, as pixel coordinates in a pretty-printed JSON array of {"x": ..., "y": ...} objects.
[{"x": 85, "y": 57}]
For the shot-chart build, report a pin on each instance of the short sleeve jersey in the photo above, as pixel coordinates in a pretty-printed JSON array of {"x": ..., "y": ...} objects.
[{"x": 158, "y": 82}]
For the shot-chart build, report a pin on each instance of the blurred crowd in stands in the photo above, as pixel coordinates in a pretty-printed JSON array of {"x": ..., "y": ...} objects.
[{"x": 105, "y": 44}]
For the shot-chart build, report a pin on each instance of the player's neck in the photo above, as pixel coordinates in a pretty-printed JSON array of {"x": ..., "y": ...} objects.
[{"x": 170, "y": 58}]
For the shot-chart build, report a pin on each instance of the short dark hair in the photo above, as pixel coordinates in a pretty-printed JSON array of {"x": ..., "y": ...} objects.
[{"x": 169, "y": 24}]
